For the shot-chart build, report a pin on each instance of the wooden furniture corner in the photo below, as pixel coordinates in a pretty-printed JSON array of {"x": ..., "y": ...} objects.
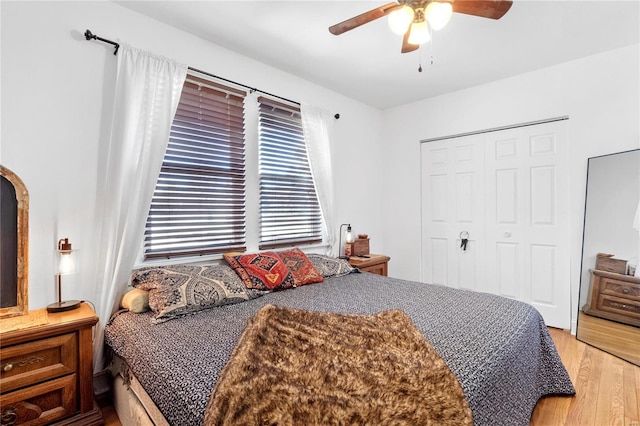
[
  {"x": 374, "y": 263},
  {"x": 614, "y": 297},
  {"x": 46, "y": 370}
]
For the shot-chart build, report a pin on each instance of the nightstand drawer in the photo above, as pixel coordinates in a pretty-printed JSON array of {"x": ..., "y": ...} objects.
[
  {"x": 376, "y": 269},
  {"x": 622, "y": 289},
  {"x": 619, "y": 305},
  {"x": 33, "y": 362},
  {"x": 374, "y": 263},
  {"x": 40, "y": 404}
]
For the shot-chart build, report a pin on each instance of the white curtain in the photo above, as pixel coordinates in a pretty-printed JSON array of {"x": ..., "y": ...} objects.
[
  {"x": 147, "y": 92},
  {"x": 318, "y": 126}
]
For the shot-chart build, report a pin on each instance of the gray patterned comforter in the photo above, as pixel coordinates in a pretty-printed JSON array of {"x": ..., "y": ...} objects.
[{"x": 499, "y": 349}]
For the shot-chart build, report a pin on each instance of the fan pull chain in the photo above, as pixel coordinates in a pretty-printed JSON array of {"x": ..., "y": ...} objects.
[
  {"x": 431, "y": 41},
  {"x": 420, "y": 52}
]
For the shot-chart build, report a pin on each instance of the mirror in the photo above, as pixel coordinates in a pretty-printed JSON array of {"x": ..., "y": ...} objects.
[
  {"x": 14, "y": 243},
  {"x": 609, "y": 315}
]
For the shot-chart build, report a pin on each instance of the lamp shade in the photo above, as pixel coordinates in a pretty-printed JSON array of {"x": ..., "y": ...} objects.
[
  {"x": 419, "y": 33},
  {"x": 67, "y": 262},
  {"x": 349, "y": 239},
  {"x": 400, "y": 19},
  {"x": 438, "y": 14}
]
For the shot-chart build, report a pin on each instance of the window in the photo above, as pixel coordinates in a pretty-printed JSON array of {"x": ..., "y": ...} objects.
[
  {"x": 289, "y": 210},
  {"x": 198, "y": 205}
]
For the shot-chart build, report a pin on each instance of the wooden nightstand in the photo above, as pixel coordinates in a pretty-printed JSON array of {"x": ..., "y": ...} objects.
[
  {"x": 374, "y": 263},
  {"x": 46, "y": 373},
  {"x": 614, "y": 296}
]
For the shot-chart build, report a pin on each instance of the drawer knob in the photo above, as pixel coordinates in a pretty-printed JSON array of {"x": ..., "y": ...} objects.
[
  {"x": 625, "y": 290},
  {"x": 7, "y": 367},
  {"x": 9, "y": 416}
]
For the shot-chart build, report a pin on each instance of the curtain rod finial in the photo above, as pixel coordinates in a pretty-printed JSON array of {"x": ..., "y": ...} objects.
[{"x": 90, "y": 36}]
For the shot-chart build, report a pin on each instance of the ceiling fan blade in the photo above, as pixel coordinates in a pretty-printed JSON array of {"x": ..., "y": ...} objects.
[
  {"x": 363, "y": 18},
  {"x": 406, "y": 46},
  {"x": 494, "y": 9}
]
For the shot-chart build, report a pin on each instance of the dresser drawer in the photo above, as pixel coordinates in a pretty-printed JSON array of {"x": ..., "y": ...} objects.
[
  {"x": 40, "y": 404},
  {"x": 619, "y": 305},
  {"x": 33, "y": 362},
  {"x": 619, "y": 288}
]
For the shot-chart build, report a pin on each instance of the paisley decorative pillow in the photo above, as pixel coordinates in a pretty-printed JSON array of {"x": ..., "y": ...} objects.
[
  {"x": 331, "y": 266},
  {"x": 179, "y": 290},
  {"x": 261, "y": 271}
]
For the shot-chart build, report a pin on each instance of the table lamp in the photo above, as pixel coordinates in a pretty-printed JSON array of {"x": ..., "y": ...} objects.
[{"x": 67, "y": 264}]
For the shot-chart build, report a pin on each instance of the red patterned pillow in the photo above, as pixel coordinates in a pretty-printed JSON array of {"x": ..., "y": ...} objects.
[
  {"x": 262, "y": 271},
  {"x": 301, "y": 267}
]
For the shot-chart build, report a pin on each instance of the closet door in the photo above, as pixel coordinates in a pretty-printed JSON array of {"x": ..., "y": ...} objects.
[
  {"x": 508, "y": 190},
  {"x": 527, "y": 227},
  {"x": 452, "y": 204}
]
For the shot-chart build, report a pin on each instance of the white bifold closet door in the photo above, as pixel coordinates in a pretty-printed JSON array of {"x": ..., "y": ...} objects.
[{"x": 508, "y": 190}]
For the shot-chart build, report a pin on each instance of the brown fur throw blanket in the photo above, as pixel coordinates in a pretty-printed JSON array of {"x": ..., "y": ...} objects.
[{"x": 295, "y": 367}]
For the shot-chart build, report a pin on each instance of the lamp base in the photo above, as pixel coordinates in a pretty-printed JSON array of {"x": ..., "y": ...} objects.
[{"x": 66, "y": 305}]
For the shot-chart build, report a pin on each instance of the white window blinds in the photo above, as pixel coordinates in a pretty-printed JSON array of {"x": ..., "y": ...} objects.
[
  {"x": 198, "y": 206},
  {"x": 289, "y": 210}
]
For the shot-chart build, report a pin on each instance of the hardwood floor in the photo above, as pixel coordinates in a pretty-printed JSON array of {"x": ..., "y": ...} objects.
[
  {"x": 610, "y": 336},
  {"x": 110, "y": 416},
  {"x": 607, "y": 389}
]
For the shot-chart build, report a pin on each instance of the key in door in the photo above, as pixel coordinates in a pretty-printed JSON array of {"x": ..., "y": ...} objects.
[{"x": 464, "y": 239}]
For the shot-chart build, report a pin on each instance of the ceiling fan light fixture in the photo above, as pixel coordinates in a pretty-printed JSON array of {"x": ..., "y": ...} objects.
[
  {"x": 400, "y": 19},
  {"x": 419, "y": 33},
  {"x": 438, "y": 14}
]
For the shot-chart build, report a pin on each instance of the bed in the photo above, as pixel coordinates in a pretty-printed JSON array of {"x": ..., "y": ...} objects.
[{"x": 499, "y": 349}]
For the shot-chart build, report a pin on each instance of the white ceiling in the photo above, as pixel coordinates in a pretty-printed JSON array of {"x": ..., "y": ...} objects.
[{"x": 366, "y": 64}]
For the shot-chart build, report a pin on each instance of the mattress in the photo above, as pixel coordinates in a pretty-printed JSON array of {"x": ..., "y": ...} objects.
[{"x": 499, "y": 349}]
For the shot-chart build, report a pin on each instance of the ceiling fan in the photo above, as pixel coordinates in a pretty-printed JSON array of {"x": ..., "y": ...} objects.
[{"x": 412, "y": 18}]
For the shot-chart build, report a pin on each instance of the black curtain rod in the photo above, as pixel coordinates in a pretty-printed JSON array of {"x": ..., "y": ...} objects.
[
  {"x": 90, "y": 36},
  {"x": 251, "y": 89}
]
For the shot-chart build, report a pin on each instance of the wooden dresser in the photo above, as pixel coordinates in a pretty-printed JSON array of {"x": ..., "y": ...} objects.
[
  {"x": 614, "y": 296},
  {"x": 46, "y": 371},
  {"x": 374, "y": 263}
]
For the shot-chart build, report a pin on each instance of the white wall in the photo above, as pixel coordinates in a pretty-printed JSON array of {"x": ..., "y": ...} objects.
[
  {"x": 600, "y": 94},
  {"x": 56, "y": 100}
]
